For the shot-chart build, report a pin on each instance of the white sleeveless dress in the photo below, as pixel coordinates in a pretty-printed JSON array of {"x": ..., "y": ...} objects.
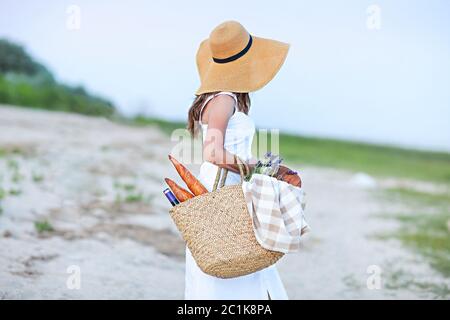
[{"x": 258, "y": 285}]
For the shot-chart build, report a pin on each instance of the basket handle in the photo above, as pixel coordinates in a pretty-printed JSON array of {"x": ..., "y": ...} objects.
[{"x": 242, "y": 167}]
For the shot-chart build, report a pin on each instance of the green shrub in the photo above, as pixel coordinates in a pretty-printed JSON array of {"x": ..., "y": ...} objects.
[{"x": 25, "y": 82}]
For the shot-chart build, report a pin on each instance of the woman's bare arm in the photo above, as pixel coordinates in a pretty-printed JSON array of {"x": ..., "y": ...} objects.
[{"x": 217, "y": 114}]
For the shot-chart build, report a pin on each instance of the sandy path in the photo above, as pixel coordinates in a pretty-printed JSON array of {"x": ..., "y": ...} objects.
[{"x": 99, "y": 186}]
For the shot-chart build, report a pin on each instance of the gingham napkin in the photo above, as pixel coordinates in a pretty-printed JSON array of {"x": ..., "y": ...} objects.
[{"x": 276, "y": 208}]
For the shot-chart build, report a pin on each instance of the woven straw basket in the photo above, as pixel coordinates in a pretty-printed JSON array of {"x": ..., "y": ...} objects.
[{"x": 218, "y": 231}]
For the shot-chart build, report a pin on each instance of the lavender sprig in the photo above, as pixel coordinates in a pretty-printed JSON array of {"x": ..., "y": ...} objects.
[{"x": 268, "y": 166}]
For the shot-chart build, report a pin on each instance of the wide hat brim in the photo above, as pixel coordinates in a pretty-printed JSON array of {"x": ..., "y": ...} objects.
[{"x": 249, "y": 73}]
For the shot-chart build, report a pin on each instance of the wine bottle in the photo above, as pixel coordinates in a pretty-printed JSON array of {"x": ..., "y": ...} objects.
[{"x": 169, "y": 195}]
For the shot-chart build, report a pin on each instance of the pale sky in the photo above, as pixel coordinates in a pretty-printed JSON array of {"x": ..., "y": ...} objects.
[{"x": 341, "y": 78}]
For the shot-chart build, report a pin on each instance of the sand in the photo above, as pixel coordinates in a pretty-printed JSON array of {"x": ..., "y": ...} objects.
[{"x": 99, "y": 186}]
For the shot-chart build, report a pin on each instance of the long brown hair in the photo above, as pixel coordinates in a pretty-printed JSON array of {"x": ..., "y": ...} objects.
[{"x": 243, "y": 100}]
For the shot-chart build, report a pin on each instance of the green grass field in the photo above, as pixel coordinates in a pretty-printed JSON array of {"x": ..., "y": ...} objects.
[{"x": 373, "y": 159}]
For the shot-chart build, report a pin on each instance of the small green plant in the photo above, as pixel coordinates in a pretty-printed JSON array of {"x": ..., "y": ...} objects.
[
  {"x": 43, "y": 226},
  {"x": 14, "y": 151},
  {"x": 124, "y": 186},
  {"x": 13, "y": 164},
  {"x": 127, "y": 192},
  {"x": 134, "y": 197},
  {"x": 15, "y": 192},
  {"x": 37, "y": 177},
  {"x": 129, "y": 187}
]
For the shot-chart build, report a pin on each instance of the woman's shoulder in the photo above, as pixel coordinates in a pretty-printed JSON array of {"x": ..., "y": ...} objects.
[
  {"x": 222, "y": 96},
  {"x": 223, "y": 100},
  {"x": 220, "y": 103}
]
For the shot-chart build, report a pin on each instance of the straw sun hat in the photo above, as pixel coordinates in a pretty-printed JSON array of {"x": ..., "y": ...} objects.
[{"x": 233, "y": 60}]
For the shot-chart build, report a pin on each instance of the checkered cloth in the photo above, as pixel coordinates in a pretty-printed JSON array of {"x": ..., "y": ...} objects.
[{"x": 276, "y": 208}]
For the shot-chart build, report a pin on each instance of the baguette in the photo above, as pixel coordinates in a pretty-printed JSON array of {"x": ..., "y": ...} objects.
[{"x": 196, "y": 187}]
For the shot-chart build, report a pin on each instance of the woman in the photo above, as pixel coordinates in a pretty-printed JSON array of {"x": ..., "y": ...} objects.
[{"x": 232, "y": 63}]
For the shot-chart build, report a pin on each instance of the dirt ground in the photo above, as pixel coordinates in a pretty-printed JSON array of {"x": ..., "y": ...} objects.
[{"x": 85, "y": 194}]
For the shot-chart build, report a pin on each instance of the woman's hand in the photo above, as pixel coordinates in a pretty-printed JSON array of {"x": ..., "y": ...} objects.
[{"x": 287, "y": 175}]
